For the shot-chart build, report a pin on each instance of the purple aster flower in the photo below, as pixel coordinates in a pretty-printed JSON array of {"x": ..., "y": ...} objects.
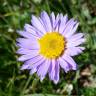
[{"x": 49, "y": 43}]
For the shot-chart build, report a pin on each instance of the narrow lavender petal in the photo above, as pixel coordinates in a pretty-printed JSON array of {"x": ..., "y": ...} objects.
[
  {"x": 58, "y": 24},
  {"x": 37, "y": 63},
  {"x": 37, "y": 24},
  {"x": 34, "y": 60},
  {"x": 42, "y": 24},
  {"x": 30, "y": 29},
  {"x": 34, "y": 67},
  {"x": 32, "y": 71},
  {"x": 75, "y": 37},
  {"x": 43, "y": 69},
  {"x": 41, "y": 78},
  {"x": 46, "y": 20},
  {"x": 27, "y": 35},
  {"x": 27, "y": 43},
  {"x": 28, "y": 56},
  {"x": 72, "y": 31},
  {"x": 52, "y": 17},
  {"x": 62, "y": 23},
  {"x": 52, "y": 69},
  {"x": 57, "y": 69},
  {"x": 76, "y": 43},
  {"x": 72, "y": 51},
  {"x": 29, "y": 63},
  {"x": 25, "y": 51},
  {"x": 33, "y": 30},
  {"x": 33, "y": 47},
  {"x": 64, "y": 64},
  {"x": 24, "y": 66},
  {"x": 57, "y": 20},
  {"x": 68, "y": 27},
  {"x": 70, "y": 61},
  {"x": 25, "y": 40},
  {"x": 81, "y": 48}
]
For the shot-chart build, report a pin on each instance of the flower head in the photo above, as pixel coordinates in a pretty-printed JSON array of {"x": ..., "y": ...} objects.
[{"x": 49, "y": 43}]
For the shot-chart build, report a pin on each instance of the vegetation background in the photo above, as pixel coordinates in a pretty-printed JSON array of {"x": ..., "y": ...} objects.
[{"x": 13, "y": 82}]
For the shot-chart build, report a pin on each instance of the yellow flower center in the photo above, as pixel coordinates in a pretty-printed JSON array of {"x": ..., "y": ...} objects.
[{"x": 52, "y": 45}]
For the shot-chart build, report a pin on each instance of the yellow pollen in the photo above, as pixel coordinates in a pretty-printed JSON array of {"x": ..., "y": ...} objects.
[{"x": 52, "y": 45}]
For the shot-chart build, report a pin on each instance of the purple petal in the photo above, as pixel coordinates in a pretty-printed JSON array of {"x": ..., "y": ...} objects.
[
  {"x": 57, "y": 22},
  {"x": 43, "y": 69},
  {"x": 62, "y": 23},
  {"x": 37, "y": 63},
  {"x": 68, "y": 27},
  {"x": 27, "y": 43},
  {"x": 76, "y": 43},
  {"x": 33, "y": 30},
  {"x": 64, "y": 64},
  {"x": 72, "y": 51},
  {"x": 24, "y": 66},
  {"x": 33, "y": 71},
  {"x": 72, "y": 30},
  {"x": 23, "y": 40},
  {"x": 46, "y": 20},
  {"x": 28, "y": 56},
  {"x": 25, "y": 51},
  {"x": 27, "y": 35},
  {"x": 70, "y": 61},
  {"x": 38, "y": 25},
  {"x": 41, "y": 78},
  {"x": 33, "y": 64},
  {"x": 57, "y": 69},
  {"x": 75, "y": 37},
  {"x": 30, "y": 63},
  {"x": 52, "y": 17},
  {"x": 52, "y": 69}
]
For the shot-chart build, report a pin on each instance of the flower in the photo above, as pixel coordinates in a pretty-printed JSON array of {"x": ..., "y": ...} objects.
[{"x": 49, "y": 43}]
